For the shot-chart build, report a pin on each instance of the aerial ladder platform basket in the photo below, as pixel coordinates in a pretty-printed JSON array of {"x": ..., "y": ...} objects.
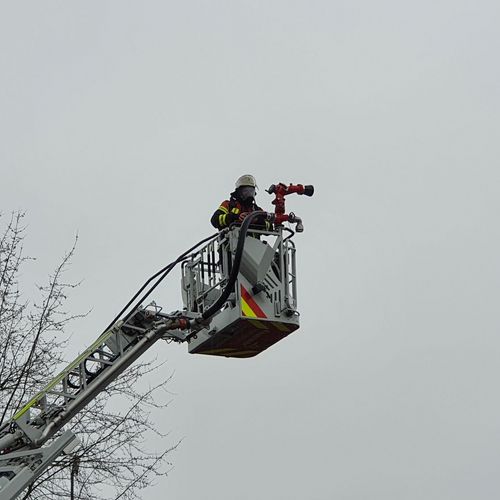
[{"x": 262, "y": 307}]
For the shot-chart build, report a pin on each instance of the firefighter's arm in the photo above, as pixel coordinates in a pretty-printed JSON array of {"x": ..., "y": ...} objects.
[{"x": 222, "y": 217}]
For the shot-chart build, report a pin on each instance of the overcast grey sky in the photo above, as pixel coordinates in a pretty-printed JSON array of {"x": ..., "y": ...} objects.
[{"x": 128, "y": 122}]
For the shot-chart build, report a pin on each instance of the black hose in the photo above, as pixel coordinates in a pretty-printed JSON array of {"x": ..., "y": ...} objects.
[
  {"x": 162, "y": 273},
  {"x": 236, "y": 266}
]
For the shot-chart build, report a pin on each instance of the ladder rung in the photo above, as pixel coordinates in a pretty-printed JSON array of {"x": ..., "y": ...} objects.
[
  {"x": 102, "y": 352},
  {"x": 63, "y": 394},
  {"x": 99, "y": 360}
]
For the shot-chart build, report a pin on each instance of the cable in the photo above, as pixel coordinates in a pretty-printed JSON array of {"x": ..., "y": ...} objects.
[{"x": 162, "y": 273}]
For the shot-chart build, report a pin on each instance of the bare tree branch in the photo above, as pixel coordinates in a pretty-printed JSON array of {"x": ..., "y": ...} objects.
[{"x": 112, "y": 461}]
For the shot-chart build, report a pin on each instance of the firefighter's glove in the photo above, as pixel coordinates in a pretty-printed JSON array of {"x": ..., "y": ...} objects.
[
  {"x": 242, "y": 216},
  {"x": 231, "y": 217}
]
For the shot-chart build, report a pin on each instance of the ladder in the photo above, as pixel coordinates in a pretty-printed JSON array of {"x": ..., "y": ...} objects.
[{"x": 31, "y": 440}]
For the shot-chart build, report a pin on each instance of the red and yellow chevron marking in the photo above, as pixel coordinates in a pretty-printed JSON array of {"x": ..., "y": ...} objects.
[{"x": 249, "y": 307}]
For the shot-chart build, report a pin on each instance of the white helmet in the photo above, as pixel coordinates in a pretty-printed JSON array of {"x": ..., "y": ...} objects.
[{"x": 246, "y": 180}]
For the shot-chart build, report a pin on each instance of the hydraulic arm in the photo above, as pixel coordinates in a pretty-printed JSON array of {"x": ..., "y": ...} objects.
[{"x": 24, "y": 456}]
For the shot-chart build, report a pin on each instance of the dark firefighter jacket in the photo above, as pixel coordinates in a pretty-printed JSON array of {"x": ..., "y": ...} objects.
[{"x": 230, "y": 210}]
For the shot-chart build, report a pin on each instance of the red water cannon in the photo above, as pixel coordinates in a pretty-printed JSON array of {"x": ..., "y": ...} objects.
[{"x": 280, "y": 191}]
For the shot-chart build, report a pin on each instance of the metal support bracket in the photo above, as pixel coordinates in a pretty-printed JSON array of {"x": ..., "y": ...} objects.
[{"x": 20, "y": 468}]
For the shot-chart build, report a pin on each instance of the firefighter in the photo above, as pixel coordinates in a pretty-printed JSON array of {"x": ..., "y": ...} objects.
[{"x": 239, "y": 205}]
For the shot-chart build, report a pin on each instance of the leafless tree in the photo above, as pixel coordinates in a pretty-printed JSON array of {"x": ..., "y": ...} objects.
[{"x": 112, "y": 461}]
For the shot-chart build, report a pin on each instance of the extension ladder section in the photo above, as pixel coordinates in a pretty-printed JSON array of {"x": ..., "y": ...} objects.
[{"x": 24, "y": 457}]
